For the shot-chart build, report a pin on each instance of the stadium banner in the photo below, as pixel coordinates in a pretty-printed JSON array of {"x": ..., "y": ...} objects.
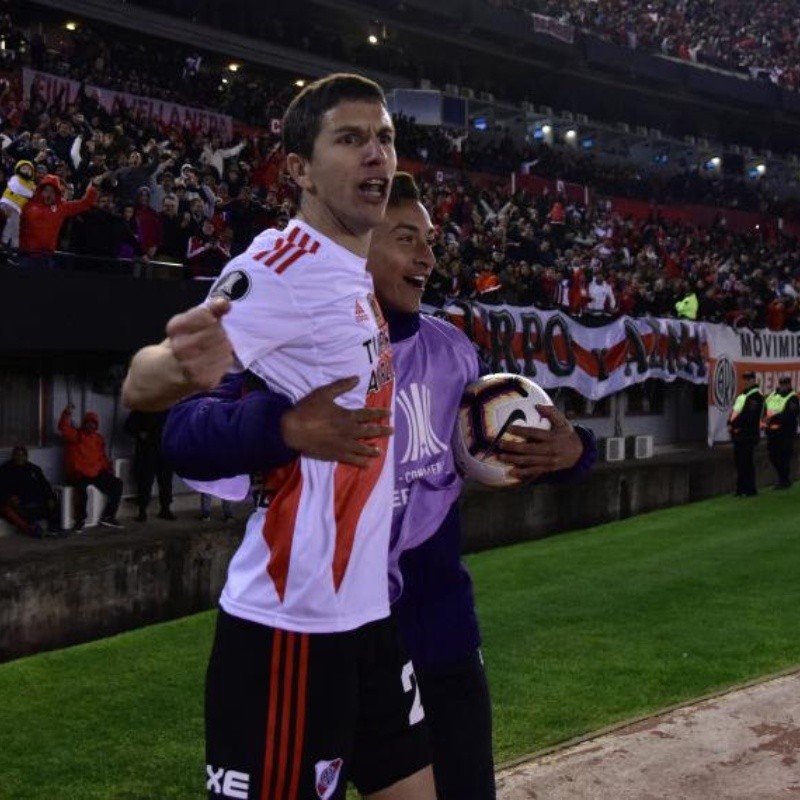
[
  {"x": 557, "y": 351},
  {"x": 57, "y": 89},
  {"x": 549, "y": 26},
  {"x": 732, "y": 352}
]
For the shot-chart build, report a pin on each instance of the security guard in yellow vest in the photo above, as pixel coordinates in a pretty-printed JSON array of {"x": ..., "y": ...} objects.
[
  {"x": 780, "y": 423},
  {"x": 743, "y": 424}
]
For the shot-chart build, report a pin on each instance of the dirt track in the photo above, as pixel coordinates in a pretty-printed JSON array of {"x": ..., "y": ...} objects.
[{"x": 743, "y": 745}]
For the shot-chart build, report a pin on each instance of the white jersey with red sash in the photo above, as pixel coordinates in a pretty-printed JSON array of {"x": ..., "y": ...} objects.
[{"x": 302, "y": 315}]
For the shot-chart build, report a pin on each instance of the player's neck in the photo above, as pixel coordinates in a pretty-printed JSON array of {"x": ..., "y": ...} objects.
[
  {"x": 402, "y": 324},
  {"x": 334, "y": 228}
]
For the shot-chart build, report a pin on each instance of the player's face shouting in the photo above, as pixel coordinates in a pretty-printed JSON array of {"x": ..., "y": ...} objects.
[
  {"x": 400, "y": 256},
  {"x": 348, "y": 178}
]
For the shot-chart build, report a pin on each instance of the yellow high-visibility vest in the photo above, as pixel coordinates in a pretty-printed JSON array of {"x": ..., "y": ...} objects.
[
  {"x": 775, "y": 404},
  {"x": 738, "y": 404}
]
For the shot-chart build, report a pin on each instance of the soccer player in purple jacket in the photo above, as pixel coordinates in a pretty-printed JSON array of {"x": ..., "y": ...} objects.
[{"x": 231, "y": 432}]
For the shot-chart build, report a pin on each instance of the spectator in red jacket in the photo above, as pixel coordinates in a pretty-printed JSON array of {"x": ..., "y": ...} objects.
[
  {"x": 44, "y": 214},
  {"x": 577, "y": 294},
  {"x": 87, "y": 464},
  {"x": 148, "y": 223}
]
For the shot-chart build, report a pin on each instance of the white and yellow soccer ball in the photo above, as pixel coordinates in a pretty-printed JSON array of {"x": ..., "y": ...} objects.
[{"x": 489, "y": 407}]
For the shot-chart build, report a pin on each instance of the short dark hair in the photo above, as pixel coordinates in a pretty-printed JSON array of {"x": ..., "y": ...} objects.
[
  {"x": 404, "y": 187},
  {"x": 303, "y": 118}
]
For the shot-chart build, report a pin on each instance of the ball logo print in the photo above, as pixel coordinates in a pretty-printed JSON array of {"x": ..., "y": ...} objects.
[
  {"x": 489, "y": 408},
  {"x": 233, "y": 286},
  {"x": 723, "y": 383},
  {"x": 327, "y": 773}
]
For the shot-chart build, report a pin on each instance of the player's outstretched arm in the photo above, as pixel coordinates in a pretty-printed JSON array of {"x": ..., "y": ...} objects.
[
  {"x": 193, "y": 358},
  {"x": 224, "y": 434},
  {"x": 560, "y": 453}
]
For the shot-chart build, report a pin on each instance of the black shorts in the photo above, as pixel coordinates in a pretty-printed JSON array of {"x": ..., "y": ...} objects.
[
  {"x": 292, "y": 716},
  {"x": 459, "y": 716}
]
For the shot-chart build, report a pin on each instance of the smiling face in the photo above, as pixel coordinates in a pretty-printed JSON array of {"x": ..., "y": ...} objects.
[
  {"x": 400, "y": 256},
  {"x": 346, "y": 180}
]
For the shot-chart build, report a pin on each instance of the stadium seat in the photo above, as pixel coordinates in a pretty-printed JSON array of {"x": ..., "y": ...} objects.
[
  {"x": 123, "y": 469},
  {"x": 613, "y": 448},
  {"x": 94, "y": 506}
]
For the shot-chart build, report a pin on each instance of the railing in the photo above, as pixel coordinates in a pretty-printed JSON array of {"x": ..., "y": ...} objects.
[{"x": 148, "y": 269}]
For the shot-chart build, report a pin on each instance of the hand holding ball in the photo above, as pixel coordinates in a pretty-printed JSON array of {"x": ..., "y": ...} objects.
[{"x": 489, "y": 407}]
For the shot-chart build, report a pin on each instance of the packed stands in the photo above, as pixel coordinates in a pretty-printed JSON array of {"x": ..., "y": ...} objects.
[
  {"x": 175, "y": 195},
  {"x": 759, "y": 39}
]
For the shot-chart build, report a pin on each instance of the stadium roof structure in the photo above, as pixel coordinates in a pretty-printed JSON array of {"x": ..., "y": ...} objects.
[{"x": 617, "y": 98}]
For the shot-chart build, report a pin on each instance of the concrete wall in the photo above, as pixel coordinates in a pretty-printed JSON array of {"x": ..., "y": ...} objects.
[
  {"x": 612, "y": 492},
  {"x": 57, "y": 596},
  {"x": 60, "y": 592}
]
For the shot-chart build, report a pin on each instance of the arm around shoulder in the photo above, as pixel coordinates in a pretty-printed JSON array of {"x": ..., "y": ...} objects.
[{"x": 222, "y": 434}]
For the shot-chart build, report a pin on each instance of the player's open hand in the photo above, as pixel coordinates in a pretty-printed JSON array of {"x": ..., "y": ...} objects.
[
  {"x": 200, "y": 345},
  {"x": 542, "y": 451},
  {"x": 319, "y": 427}
]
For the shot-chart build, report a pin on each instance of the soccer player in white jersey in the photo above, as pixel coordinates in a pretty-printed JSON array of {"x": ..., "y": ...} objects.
[
  {"x": 308, "y": 685},
  {"x": 227, "y": 433}
]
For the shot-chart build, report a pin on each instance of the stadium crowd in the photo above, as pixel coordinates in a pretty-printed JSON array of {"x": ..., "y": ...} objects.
[
  {"x": 185, "y": 76},
  {"x": 128, "y": 188},
  {"x": 689, "y": 183},
  {"x": 760, "y": 39},
  {"x": 593, "y": 263}
]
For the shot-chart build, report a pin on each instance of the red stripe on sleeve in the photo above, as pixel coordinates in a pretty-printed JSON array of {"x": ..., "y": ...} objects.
[
  {"x": 278, "y": 253},
  {"x": 289, "y": 260}
]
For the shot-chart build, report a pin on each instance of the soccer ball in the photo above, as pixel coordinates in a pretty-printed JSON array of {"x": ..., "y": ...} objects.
[{"x": 489, "y": 407}]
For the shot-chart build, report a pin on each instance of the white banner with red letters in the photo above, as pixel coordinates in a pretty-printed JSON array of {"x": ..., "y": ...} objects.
[
  {"x": 171, "y": 115},
  {"x": 731, "y": 353},
  {"x": 557, "y": 351}
]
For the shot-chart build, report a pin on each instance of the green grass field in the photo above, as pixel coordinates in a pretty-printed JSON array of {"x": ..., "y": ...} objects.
[{"x": 581, "y": 630}]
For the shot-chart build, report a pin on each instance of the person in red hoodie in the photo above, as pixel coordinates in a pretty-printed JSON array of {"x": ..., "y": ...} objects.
[
  {"x": 87, "y": 464},
  {"x": 43, "y": 216},
  {"x": 148, "y": 222}
]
